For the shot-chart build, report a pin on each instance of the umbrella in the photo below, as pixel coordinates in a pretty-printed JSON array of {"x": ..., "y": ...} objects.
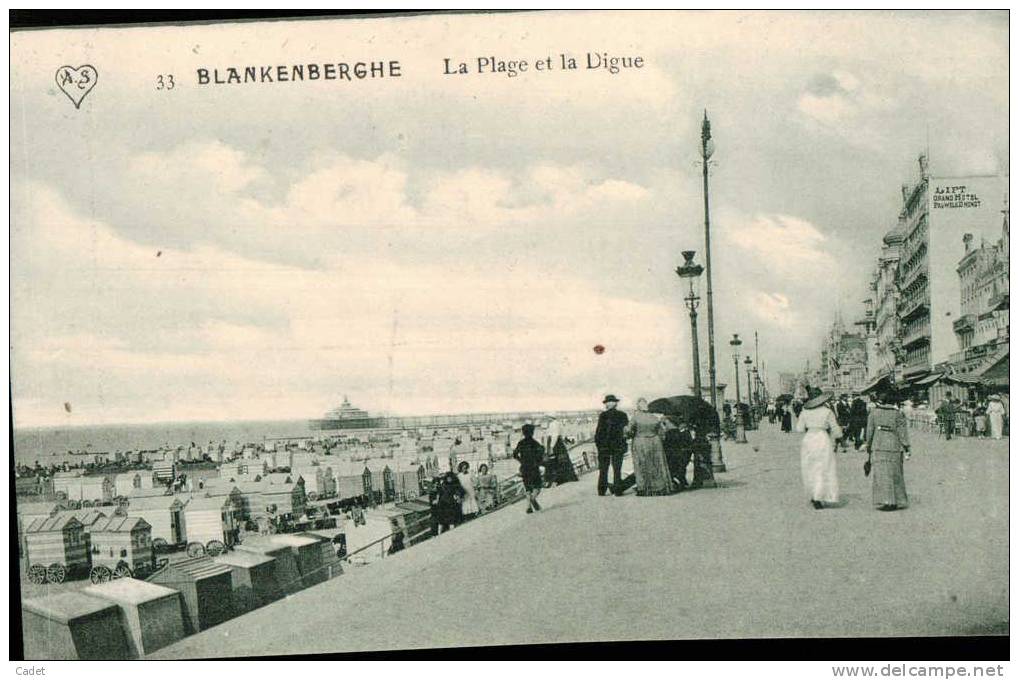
[
  {"x": 784, "y": 397},
  {"x": 699, "y": 413}
]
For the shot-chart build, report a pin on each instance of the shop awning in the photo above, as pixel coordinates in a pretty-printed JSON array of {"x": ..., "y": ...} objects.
[
  {"x": 929, "y": 380},
  {"x": 875, "y": 383}
]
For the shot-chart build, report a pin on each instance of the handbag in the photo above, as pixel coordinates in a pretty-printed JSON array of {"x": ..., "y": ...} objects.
[{"x": 866, "y": 468}]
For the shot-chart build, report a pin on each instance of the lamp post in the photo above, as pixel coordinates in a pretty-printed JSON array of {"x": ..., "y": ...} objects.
[
  {"x": 707, "y": 149},
  {"x": 741, "y": 434},
  {"x": 748, "y": 362},
  {"x": 757, "y": 388},
  {"x": 691, "y": 273}
]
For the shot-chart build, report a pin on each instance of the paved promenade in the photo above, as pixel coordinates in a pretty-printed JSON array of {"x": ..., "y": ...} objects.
[{"x": 750, "y": 559}]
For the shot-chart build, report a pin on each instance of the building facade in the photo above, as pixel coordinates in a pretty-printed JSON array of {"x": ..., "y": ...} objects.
[{"x": 983, "y": 324}]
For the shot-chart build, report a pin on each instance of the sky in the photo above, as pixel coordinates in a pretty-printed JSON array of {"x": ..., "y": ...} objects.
[{"x": 450, "y": 243}]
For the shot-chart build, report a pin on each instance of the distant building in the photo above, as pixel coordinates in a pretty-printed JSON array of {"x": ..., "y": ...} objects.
[
  {"x": 884, "y": 300},
  {"x": 843, "y": 360}
]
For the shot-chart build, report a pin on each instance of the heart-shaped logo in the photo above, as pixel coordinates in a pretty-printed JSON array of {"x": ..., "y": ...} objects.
[{"x": 77, "y": 82}]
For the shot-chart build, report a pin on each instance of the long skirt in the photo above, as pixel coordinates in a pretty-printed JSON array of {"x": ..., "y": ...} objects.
[
  {"x": 650, "y": 467},
  {"x": 996, "y": 422},
  {"x": 889, "y": 482},
  {"x": 817, "y": 465},
  {"x": 787, "y": 422}
]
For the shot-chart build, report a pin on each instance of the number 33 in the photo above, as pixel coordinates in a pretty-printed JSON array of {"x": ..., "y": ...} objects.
[{"x": 165, "y": 82}]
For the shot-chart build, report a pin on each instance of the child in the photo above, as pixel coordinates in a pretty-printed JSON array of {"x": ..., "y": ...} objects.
[{"x": 530, "y": 454}]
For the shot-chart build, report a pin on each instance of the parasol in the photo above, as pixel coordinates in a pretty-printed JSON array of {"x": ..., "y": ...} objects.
[{"x": 699, "y": 413}]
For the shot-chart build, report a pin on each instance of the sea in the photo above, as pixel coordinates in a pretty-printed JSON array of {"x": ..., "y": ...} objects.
[{"x": 52, "y": 445}]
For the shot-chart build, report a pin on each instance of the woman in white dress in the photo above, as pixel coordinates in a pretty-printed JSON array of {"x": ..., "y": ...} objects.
[
  {"x": 817, "y": 455},
  {"x": 469, "y": 504}
]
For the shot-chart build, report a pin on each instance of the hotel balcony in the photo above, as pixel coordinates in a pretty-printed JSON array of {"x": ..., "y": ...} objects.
[
  {"x": 914, "y": 307},
  {"x": 920, "y": 336},
  {"x": 964, "y": 323},
  {"x": 999, "y": 301}
]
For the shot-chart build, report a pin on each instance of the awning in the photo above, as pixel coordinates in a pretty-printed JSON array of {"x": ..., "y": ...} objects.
[
  {"x": 875, "y": 383},
  {"x": 994, "y": 371},
  {"x": 932, "y": 378}
]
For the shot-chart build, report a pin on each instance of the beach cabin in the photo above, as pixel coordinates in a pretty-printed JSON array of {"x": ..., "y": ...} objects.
[
  {"x": 126, "y": 483},
  {"x": 164, "y": 471},
  {"x": 231, "y": 491},
  {"x": 284, "y": 563},
  {"x": 68, "y": 485},
  {"x": 123, "y": 545},
  {"x": 72, "y": 626},
  {"x": 284, "y": 499},
  {"x": 55, "y": 548},
  {"x": 97, "y": 488},
  {"x": 165, "y": 515},
  {"x": 87, "y": 516},
  {"x": 353, "y": 479},
  {"x": 210, "y": 518},
  {"x": 408, "y": 477},
  {"x": 152, "y": 614},
  {"x": 253, "y": 578},
  {"x": 278, "y": 478},
  {"x": 318, "y": 480},
  {"x": 205, "y": 587}
]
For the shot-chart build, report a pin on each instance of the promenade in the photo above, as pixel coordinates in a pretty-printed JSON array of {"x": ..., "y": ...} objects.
[{"x": 749, "y": 559}]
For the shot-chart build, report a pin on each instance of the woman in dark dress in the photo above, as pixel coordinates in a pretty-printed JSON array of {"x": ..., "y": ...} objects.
[
  {"x": 446, "y": 495},
  {"x": 564, "y": 466},
  {"x": 530, "y": 454}
]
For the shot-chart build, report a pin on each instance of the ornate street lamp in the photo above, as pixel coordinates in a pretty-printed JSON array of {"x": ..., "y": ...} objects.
[
  {"x": 691, "y": 272},
  {"x": 748, "y": 362},
  {"x": 757, "y": 387},
  {"x": 741, "y": 434}
]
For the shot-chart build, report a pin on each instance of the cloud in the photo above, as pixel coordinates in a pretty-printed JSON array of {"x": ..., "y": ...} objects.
[{"x": 785, "y": 244}]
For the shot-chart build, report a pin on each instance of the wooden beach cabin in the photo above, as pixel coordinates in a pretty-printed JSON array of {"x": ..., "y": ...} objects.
[
  {"x": 284, "y": 499},
  {"x": 97, "y": 488},
  {"x": 284, "y": 562},
  {"x": 408, "y": 477},
  {"x": 55, "y": 548},
  {"x": 353, "y": 479},
  {"x": 165, "y": 514},
  {"x": 209, "y": 519},
  {"x": 152, "y": 614},
  {"x": 164, "y": 470},
  {"x": 253, "y": 577},
  {"x": 126, "y": 483},
  {"x": 122, "y": 545},
  {"x": 73, "y": 626},
  {"x": 68, "y": 485},
  {"x": 206, "y": 588}
]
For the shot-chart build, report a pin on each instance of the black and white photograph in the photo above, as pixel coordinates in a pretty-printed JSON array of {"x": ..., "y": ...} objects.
[{"x": 528, "y": 330}]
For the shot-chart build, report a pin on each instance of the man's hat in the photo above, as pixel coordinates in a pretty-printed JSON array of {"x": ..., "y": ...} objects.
[
  {"x": 819, "y": 400},
  {"x": 994, "y": 397},
  {"x": 608, "y": 398}
]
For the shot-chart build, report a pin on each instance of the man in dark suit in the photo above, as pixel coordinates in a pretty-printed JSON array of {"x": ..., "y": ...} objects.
[
  {"x": 842, "y": 418},
  {"x": 857, "y": 421},
  {"x": 610, "y": 438}
]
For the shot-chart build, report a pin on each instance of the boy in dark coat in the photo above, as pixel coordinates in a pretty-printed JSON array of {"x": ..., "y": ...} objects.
[{"x": 530, "y": 455}]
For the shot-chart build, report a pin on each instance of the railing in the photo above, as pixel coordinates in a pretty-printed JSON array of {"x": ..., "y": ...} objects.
[{"x": 510, "y": 490}]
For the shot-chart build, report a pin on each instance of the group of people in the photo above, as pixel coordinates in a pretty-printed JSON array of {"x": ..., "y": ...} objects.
[
  {"x": 988, "y": 416},
  {"x": 886, "y": 436},
  {"x": 661, "y": 447},
  {"x": 457, "y": 497}
]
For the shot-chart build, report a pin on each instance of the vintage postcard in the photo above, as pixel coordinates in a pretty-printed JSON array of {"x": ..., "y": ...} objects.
[{"x": 447, "y": 330}]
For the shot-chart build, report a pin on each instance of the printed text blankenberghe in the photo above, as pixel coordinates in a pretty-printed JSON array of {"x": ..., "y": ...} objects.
[{"x": 350, "y": 71}]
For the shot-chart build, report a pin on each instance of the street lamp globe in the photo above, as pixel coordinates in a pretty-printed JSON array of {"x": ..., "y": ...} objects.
[
  {"x": 691, "y": 272},
  {"x": 735, "y": 344}
]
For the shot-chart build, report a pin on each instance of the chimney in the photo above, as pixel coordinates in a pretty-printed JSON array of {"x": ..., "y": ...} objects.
[{"x": 967, "y": 241}]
